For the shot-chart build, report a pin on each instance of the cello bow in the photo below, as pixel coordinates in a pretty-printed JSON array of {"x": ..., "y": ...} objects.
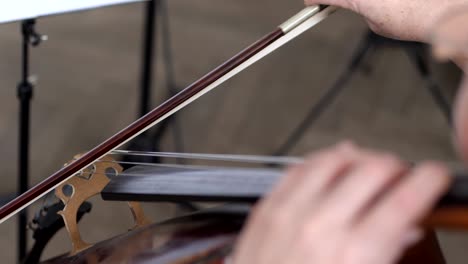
[{"x": 292, "y": 28}]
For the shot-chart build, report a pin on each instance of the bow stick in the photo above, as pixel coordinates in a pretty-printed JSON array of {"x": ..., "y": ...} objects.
[{"x": 295, "y": 26}]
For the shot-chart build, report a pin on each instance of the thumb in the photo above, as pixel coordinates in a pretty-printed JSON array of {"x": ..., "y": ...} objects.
[{"x": 347, "y": 4}]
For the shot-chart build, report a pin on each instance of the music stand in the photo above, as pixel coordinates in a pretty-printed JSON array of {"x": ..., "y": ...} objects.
[{"x": 20, "y": 10}]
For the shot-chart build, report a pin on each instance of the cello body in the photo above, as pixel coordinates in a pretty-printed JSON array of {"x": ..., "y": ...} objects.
[{"x": 204, "y": 237}]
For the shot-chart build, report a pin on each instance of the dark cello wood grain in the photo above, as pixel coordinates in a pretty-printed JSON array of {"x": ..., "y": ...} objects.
[
  {"x": 138, "y": 125},
  {"x": 204, "y": 237}
]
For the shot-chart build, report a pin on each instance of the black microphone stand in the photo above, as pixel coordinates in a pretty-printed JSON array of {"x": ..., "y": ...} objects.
[{"x": 25, "y": 93}]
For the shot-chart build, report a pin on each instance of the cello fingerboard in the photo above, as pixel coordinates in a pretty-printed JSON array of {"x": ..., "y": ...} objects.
[{"x": 203, "y": 185}]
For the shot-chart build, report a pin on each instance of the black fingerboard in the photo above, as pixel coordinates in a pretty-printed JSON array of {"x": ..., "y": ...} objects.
[{"x": 204, "y": 185}]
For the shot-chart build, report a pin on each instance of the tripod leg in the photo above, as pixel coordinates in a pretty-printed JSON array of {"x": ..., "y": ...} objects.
[
  {"x": 152, "y": 140},
  {"x": 25, "y": 94},
  {"x": 146, "y": 79},
  {"x": 416, "y": 56},
  {"x": 148, "y": 56},
  {"x": 328, "y": 97},
  {"x": 170, "y": 76}
]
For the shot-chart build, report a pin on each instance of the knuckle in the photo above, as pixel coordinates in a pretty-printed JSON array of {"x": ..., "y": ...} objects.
[
  {"x": 331, "y": 157},
  {"x": 352, "y": 5},
  {"x": 404, "y": 202},
  {"x": 432, "y": 167},
  {"x": 435, "y": 174},
  {"x": 390, "y": 159},
  {"x": 346, "y": 145},
  {"x": 386, "y": 162},
  {"x": 342, "y": 150},
  {"x": 329, "y": 160}
]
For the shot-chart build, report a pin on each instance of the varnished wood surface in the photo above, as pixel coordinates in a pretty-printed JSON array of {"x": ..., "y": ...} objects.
[
  {"x": 427, "y": 251},
  {"x": 204, "y": 238},
  {"x": 452, "y": 218}
]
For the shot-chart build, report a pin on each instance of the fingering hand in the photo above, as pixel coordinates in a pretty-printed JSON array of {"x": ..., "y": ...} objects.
[{"x": 344, "y": 205}]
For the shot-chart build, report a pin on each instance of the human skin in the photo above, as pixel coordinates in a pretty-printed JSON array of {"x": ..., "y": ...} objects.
[
  {"x": 450, "y": 43},
  {"x": 436, "y": 22},
  {"x": 344, "y": 205},
  {"x": 399, "y": 19},
  {"x": 347, "y": 205}
]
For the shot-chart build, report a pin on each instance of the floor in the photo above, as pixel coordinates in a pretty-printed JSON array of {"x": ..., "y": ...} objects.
[{"x": 87, "y": 87}]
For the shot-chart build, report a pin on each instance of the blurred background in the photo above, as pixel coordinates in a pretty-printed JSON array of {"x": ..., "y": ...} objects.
[{"x": 88, "y": 75}]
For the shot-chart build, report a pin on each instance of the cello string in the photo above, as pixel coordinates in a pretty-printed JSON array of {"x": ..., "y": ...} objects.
[
  {"x": 213, "y": 157},
  {"x": 173, "y": 166},
  {"x": 199, "y": 168},
  {"x": 253, "y": 159},
  {"x": 127, "y": 174}
]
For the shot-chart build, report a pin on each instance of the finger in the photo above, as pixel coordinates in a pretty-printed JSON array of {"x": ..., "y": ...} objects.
[
  {"x": 309, "y": 170},
  {"x": 318, "y": 175},
  {"x": 413, "y": 197},
  {"x": 274, "y": 212},
  {"x": 347, "y": 4},
  {"x": 357, "y": 190},
  {"x": 265, "y": 210},
  {"x": 369, "y": 173},
  {"x": 316, "y": 172},
  {"x": 293, "y": 176},
  {"x": 387, "y": 224}
]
